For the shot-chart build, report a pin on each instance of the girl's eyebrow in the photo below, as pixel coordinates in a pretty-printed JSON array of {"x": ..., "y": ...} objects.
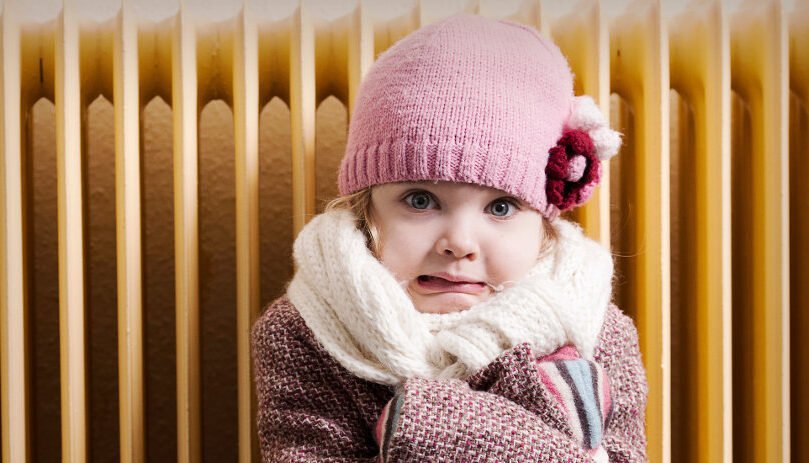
[
  {"x": 515, "y": 199},
  {"x": 414, "y": 186},
  {"x": 418, "y": 186},
  {"x": 430, "y": 187}
]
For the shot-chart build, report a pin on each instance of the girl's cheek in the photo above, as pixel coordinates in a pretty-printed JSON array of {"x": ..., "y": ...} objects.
[
  {"x": 522, "y": 242},
  {"x": 396, "y": 238},
  {"x": 402, "y": 238},
  {"x": 408, "y": 224}
]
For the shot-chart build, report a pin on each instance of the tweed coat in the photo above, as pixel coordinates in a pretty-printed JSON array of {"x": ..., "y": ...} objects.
[{"x": 311, "y": 409}]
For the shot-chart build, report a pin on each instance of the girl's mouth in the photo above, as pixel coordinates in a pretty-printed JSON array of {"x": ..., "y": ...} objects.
[{"x": 437, "y": 284}]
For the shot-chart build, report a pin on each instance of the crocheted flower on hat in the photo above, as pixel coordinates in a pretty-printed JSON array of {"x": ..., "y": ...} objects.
[
  {"x": 573, "y": 170},
  {"x": 574, "y": 164}
]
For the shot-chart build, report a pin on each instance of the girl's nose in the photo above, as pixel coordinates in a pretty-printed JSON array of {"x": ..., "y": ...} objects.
[{"x": 458, "y": 243}]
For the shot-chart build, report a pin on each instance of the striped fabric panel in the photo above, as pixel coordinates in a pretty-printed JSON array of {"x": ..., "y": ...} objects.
[
  {"x": 561, "y": 391},
  {"x": 582, "y": 391},
  {"x": 386, "y": 424},
  {"x": 379, "y": 430},
  {"x": 604, "y": 396},
  {"x": 566, "y": 352},
  {"x": 595, "y": 414},
  {"x": 571, "y": 372},
  {"x": 599, "y": 455}
]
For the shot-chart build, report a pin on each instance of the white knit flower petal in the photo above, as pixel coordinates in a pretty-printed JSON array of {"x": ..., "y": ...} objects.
[
  {"x": 606, "y": 141},
  {"x": 587, "y": 116}
]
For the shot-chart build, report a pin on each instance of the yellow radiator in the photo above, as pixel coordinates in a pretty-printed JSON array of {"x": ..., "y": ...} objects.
[{"x": 705, "y": 208}]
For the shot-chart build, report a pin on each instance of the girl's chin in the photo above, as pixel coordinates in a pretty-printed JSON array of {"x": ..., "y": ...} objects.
[{"x": 446, "y": 302}]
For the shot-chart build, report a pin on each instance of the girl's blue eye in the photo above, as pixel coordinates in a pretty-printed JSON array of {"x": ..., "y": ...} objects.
[
  {"x": 502, "y": 208},
  {"x": 419, "y": 200}
]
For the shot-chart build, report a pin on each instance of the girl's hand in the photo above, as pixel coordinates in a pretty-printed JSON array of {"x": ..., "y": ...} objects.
[{"x": 580, "y": 389}]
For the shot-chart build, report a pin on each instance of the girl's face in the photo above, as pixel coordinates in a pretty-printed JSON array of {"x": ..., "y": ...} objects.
[{"x": 447, "y": 242}]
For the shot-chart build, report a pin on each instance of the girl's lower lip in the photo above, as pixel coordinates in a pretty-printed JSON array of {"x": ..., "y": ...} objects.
[{"x": 440, "y": 285}]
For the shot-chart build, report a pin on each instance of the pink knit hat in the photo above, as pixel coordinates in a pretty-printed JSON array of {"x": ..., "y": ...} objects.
[{"x": 481, "y": 101}]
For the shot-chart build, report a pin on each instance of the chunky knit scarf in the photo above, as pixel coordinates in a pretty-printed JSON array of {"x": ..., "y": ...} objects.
[{"x": 367, "y": 322}]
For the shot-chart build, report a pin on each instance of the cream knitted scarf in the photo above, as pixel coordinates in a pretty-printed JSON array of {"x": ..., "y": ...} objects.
[{"x": 367, "y": 322}]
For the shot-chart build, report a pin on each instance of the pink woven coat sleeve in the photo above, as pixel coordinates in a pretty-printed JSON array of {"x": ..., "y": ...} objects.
[
  {"x": 505, "y": 413},
  {"x": 445, "y": 420},
  {"x": 513, "y": 376},
  {"x": 619, "y": 354},
  {"x": 309, "y": 408}
]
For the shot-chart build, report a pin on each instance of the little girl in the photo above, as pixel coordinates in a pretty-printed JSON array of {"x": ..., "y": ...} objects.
[{"x": 441, "y": 310}]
